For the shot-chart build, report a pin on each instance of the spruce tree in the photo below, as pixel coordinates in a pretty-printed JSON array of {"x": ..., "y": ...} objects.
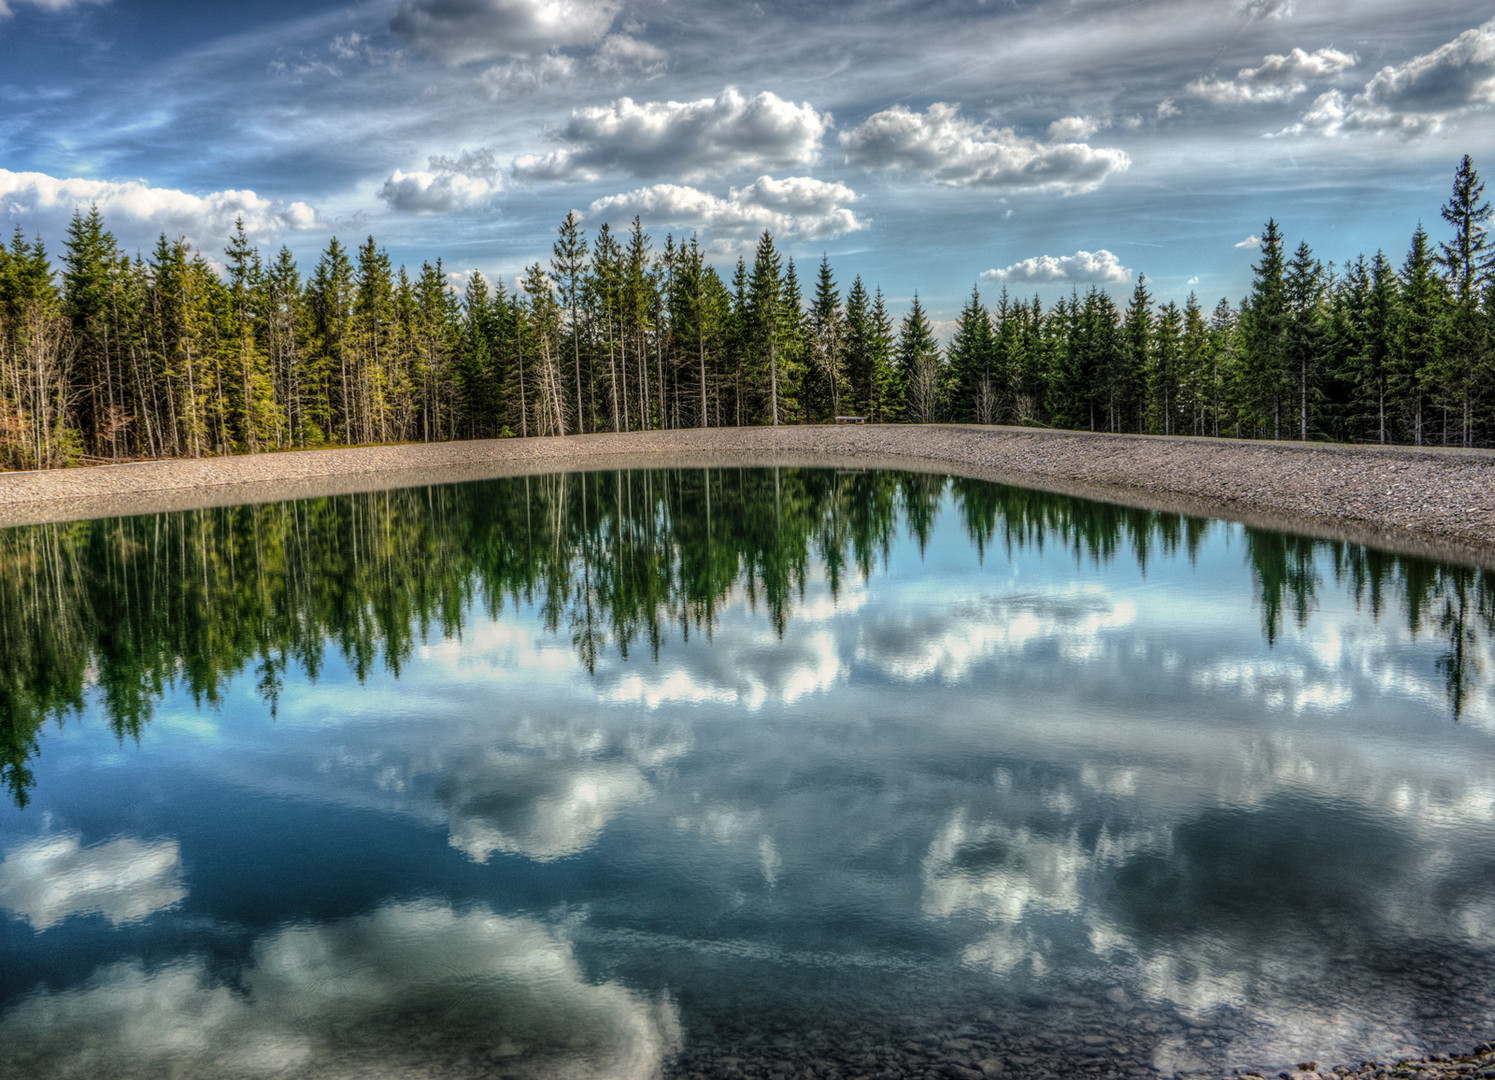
[
  {"x": 1264, "y": 337},
  {"x": 919, "y": 374}
]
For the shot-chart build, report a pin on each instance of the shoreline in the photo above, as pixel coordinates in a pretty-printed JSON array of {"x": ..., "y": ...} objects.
[{"x": 1417, "y": 500}]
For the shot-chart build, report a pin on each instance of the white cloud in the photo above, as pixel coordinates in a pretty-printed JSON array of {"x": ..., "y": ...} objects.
[
  {"x": 470, "y": 179},
  {"x": 1082, "y": 266},
  {"x": 48, "y": 880},
  {"x": 684, "y": 139},
  {"x": 7, "y": 7},
  {"x": 1073, "y": 129},
  {"x": 1278, "y": 78},
  {"x": 945, "y": 147},
  {"x": 1167, "y": 109},
  {"x": 526, "y": 76},
  {"x": 797, "y": 207},
  {"x": 622, "y": 52},
  {"x": 1251, "y": 243},
  {"x": 462, "y": 31},
  {"x": 1414, "y": 98},
  {"x": 135, "y": 211},
  {"x": 354, "y": 998}
]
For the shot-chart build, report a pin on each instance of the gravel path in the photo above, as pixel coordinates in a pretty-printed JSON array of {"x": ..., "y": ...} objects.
[{"x": 1437, "y": 501}]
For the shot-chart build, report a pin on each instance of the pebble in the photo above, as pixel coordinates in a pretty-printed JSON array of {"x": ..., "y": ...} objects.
[{"x": 1319, "y": 488}]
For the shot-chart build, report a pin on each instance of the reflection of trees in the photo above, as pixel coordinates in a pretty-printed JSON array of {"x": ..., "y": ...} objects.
[{"x": 127, "y": 608}]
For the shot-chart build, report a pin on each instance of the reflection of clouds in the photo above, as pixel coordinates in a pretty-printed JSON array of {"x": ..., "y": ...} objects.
[
  {"x": 1277, "y": 682},
  {"x": 1005, "y": 873},
  {"x": 999, "y": 872},
  {"x": 748, "y": 670},
  {"x": 544, "y": 808},
  {"x": 385, "y": 994},
  {"x": 124, "y": 880},
  {"x": 950, "y": 642}
]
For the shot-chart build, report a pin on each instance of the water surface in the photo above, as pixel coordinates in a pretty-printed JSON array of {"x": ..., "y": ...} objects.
[{"x": 735, "y": 772}]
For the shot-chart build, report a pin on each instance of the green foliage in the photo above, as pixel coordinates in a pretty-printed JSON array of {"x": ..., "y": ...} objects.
[{"x": 113, "y": 359}]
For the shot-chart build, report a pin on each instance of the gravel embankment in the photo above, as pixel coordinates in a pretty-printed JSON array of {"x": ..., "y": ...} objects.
[{"x": 1433, "y": 500}]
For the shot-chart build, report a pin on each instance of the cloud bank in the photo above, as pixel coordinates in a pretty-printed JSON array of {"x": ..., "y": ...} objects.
[
  {"x": 136, "y": 210},
  {"x": 795, "y": 208},
  {"x": 1414, "y": 98},
  {"x": 684, "y": 139},
  {"x": 946, "y": 148},
  {"x": 1278, "y": 78}
]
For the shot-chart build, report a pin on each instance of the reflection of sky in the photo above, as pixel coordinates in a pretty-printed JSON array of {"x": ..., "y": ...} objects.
[
  {"x": 371, "y": 995},
  {"x": 1049, "y": 772}
]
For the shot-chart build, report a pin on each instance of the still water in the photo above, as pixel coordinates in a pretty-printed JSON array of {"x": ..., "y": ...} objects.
[{"x": 735, "y": 772}]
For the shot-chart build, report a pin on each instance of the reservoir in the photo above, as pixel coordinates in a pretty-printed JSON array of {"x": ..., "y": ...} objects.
[{"x": 736, "y": 772}]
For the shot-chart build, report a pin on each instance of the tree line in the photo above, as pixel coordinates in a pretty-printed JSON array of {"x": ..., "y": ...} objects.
[
  {"x": 118, "y": 612},
  {"x": 111, "y": 358}
]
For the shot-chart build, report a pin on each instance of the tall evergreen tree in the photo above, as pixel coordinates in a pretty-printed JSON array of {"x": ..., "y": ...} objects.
[
  {"x": 1415, "y": 356},
  {"x": 1264, "y": 337},
  {"x": 568, "y": 260},
  {"x": 919, "y": 368}
]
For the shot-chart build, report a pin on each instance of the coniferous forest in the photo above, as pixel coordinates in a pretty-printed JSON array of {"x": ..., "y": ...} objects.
[{"x": 108, "y": 357}]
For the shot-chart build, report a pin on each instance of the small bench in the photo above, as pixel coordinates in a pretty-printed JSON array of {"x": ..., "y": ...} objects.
[{"x": 851, "y": 419}]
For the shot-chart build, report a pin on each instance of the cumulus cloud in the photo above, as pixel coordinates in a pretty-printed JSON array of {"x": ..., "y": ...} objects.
[
  {"x": 7, "y": 7},
  {"x": 797, "y": 207},
  {"x": 470, "y": 179},
  {"x": 1251, "y": 243},
  {"x": 949, "y": 149},
  {"x": 1414, "y": 98},
  {"x": 48, "y": 880},
  {"x": 1278, "y": 78},
  {"x": 685, "y": 139},
  {"x": 1083, "y": 266},
  {"x": 353, "y": 998},
  {"x": 135, "y": 211},
  {"x": 463, "y": 31}
]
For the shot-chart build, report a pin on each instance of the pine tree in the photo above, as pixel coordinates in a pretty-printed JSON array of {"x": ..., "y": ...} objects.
[
  {"x": 567, "y": 265},
  {"x": 90, "y": 294},
  {"x": 974, "y": 392},
  {"x": 1165, "y": 375},
  {"x": 765, "y": 316},
  {"x": 884, "y": 380},
  {"x": 254, "y": 413},
  {"x": 828, "y": 333},
  {"x": 1264, "y": 337},
  {"x": 1467, "y": 353},
  {"x": 1415, "y": 356},
  {"x": 919, "y": 372},
  {"x": 1305, "y": 337},
  {"x": 1128, "y": 377},
  {"x": 329, "y": 296},
  {"x": 544, "y": 343}
]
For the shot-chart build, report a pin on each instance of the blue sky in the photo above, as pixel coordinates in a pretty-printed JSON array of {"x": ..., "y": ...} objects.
[{"x": 1039, "y": 145}]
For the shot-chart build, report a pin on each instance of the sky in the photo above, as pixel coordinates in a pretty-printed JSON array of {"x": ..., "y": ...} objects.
[{"x": 1036, "y": 145}]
